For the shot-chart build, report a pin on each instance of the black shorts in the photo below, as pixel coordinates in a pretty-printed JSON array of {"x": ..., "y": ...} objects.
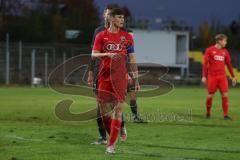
[
  {"x": 95, "y": 79},
  {"x": 95, "y": 87}
]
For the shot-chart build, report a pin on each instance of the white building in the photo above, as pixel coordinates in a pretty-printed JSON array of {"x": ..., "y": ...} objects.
[{"x": 168, "y": 48}]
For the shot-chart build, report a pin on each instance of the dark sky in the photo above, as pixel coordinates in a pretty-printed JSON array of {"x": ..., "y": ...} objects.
[{"x": 192, "y": 11}]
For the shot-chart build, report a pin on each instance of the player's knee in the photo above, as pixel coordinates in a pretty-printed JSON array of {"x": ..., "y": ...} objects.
[
  {"x": 133, "y": 95},
  {"x": 133, "y": 103},
  {"x": 224, "y": 94},
  {"x": 103, "y": 109},
  {"x": 117, "y": 114},
  {"x": 210, "y": 95},
  {"x": 133, "y": 98},
  {"x": 117, "y": 109}
]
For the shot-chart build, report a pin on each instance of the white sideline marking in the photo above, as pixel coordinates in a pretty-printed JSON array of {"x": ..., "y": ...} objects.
[{"x": 22, "y": 138}]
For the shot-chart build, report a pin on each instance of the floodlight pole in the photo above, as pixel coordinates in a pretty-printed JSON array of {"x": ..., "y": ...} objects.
[
  {"x": 33, "y": 66},
  {"x": 46, "y": 68},
  {"x": 7, "y": 60}
]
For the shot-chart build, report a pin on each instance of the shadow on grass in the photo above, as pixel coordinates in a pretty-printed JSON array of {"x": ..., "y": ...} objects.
[
  {"x": 199, "y": 125},
  {"x": 190, "y": 149}
]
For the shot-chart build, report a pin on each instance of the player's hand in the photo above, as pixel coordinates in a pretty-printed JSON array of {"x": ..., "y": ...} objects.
[
  {"x": 137, "y": 86},
  {"x": 130, "y": 81},
  {"x": 234, "y": 82},
  {"x": 204, "y": 80},
  {"x": 114, "y": 56},
  {"x": 90, "y": 78}
]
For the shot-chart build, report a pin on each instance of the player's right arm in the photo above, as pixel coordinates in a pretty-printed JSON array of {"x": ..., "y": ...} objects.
[
  {"x": 98, "y": 48},
  {"x": 92, "y": 61},
  {"x": 205, "y": 67},
  {"x": 90, "y": 72},
  {"x": 98, "y": 54}
]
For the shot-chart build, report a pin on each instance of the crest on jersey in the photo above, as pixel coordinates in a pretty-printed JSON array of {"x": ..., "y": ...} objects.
[
  {"x": 122, "y": 38},
  {"x": 213, "y": 52}
]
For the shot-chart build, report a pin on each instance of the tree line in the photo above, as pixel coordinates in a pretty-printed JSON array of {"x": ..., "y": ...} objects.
[{"x": 47, "y": 20}]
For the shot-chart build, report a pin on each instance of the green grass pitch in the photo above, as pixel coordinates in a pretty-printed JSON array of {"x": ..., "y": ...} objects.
[{"x": 29, "y": 129}]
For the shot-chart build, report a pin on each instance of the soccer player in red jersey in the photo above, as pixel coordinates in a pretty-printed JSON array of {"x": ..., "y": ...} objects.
[
  {"x": 92, "y": 81},
  {"x": 113, "y": 46},
  {"x": 214, "y": 75}
]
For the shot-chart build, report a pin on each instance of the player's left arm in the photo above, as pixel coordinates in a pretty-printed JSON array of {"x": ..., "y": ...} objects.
[
  {"x": 132, "y": 60},
  {"x": 230, "y": 68},
  {"x": 134, "y": 70}
]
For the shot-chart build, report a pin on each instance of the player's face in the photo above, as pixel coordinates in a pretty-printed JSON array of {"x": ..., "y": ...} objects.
[
  {"x": 118, "y": 20},
  {"x": 223, "y": 42},
  {"x": 106, "y": 15}
]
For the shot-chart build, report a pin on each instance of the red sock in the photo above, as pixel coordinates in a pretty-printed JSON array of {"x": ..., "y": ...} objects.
[
  {"x": 107, "y": 123},
  {"x": 225, "y": 105},
  {"x": 208, "y": 105},
  {"x": 115, "y": 127}
]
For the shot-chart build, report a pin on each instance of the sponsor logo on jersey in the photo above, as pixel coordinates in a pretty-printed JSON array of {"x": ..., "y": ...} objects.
[
  {"x": 113, "y": 47},
  {"x": 219, "y": 58}
]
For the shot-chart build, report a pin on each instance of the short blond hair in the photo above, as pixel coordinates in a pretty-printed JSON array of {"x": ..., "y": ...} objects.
[{"x": 220, "y": 37}]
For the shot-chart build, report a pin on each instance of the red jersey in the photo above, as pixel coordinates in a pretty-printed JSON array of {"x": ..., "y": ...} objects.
[
  {"x": 215, "y": 60},
  {"x": 107, "y": 42}
]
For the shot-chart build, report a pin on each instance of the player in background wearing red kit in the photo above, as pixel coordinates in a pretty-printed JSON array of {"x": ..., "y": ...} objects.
[
  {"x": 113, "y": 46},
  {"x": 214, "y": 75}
]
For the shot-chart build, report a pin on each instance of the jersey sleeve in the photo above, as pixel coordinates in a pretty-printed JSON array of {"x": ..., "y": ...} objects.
[
  {"x": 205, "y": 63},
  {"x": 96, "y": 31},
  {"x": 97, "y": 45},
  {"x": 229, "y": 64},
  {"x": 130, "y": 47}
]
